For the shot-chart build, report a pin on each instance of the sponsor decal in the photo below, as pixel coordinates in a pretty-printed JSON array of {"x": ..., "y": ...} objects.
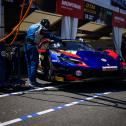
[
  {"x": 57, "y": 78},
  {"x": 55, "y": 61},
  {"x": 104, "y": 60},
  {"x": 78, "y": 73},
  {"x": 71, "y": 51},
  {"x": 109, "y": 68}
]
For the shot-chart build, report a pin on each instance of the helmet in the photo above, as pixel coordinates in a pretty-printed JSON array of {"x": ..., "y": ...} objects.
[{"x": 45, "y": 23}]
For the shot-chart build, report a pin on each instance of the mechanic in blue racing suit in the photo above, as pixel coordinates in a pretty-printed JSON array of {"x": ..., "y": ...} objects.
[{"x": 35, "y": 33}]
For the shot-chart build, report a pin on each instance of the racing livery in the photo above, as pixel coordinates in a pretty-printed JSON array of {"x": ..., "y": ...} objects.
[{"x": 72, "y": 60}]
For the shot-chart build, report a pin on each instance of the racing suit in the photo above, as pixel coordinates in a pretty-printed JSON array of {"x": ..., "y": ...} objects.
[{"x": 34, "y": 34}]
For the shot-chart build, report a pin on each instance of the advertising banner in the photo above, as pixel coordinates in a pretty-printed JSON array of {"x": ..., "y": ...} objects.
[
  {"x": 97, "y": 14},
  {"x": 119, "y": 3},
  {"x": 119, "y": 20},
  {"x": 72, "y": 8},
  {"x": 90, "y": 11}
]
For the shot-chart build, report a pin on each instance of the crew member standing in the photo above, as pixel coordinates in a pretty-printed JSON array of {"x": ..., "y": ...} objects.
[{"x": 35, "y": 33}]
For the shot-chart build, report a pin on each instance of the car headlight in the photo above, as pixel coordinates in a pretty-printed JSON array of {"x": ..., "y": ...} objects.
[
  {"x": 69, "y": 60},
  {"x": 73, "y": 61}
]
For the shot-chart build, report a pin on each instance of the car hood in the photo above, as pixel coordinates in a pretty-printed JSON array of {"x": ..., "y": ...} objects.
[
  {"x": 97, "y": 59},
  {"x": 94, "y": 59}
]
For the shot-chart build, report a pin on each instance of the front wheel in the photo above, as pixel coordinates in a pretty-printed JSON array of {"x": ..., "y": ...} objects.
[{"x": 48, "y": 69}]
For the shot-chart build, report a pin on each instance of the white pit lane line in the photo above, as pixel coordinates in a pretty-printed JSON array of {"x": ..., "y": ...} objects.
[
  {"x": 31, "y": 90},
  {"x": 38, "y": 114}
]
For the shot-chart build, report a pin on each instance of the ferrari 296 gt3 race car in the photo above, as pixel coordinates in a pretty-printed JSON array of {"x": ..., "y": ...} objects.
[{"x": 72, "y": 60}]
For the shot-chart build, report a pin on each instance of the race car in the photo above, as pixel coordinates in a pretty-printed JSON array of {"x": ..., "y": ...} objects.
[{"x": 72, "y": 60}]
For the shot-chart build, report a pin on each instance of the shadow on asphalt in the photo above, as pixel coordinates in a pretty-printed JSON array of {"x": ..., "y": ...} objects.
[
  {"x": 96, "y": 86},
  {"x": 90, "y": 86}
]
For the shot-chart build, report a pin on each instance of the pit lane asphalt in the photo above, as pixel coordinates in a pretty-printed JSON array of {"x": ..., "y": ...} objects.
[{"x": 107, "y": 109}]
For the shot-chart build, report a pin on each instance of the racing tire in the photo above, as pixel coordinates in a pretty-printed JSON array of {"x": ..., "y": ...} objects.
[{"x": 48, "y": 70}]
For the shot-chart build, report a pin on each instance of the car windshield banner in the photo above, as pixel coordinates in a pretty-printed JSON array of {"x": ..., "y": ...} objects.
[
  {"x": 72, "y": 8},
  {"x": 97, "y": 14},
  {"x": 119, "y": 20},
  {"x": 119, "y": 3}
]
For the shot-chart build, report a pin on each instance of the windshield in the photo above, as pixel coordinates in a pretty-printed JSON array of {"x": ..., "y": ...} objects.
[{"x": 72, "y": 45}]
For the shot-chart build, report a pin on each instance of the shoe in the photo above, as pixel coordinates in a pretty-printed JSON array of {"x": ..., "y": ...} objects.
[
  {"x": 31, "y": 85},
  {"x": 24, "y": 85},
  {"x": 28, "y": 83}
]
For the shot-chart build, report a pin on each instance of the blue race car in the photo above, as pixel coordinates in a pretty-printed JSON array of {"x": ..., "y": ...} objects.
[{"x": 72, "y": 60}]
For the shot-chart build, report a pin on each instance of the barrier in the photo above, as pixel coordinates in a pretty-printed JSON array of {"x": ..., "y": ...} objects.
[
  {"x": 9, "y": 64},
  {"x": 2, "y": 64}
]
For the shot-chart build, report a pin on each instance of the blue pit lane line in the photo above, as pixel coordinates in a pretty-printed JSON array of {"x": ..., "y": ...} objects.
[{"x": 37, "y": 114}]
